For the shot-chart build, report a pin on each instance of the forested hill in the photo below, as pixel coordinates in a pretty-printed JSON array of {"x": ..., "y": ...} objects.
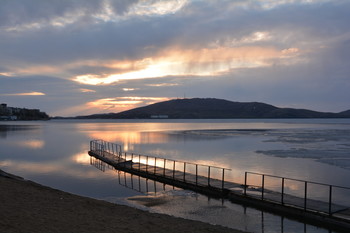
[{"x": 210, "y": 108}]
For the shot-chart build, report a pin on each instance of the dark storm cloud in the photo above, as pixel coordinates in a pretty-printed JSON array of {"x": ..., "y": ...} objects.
[
  {"x": 18, "y": 12},
  {"x": 126, "y": 40},
  {"x": 143, "y": 36}
]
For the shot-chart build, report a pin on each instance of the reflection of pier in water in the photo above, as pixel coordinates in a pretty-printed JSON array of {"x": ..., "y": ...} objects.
[
  {"x": 210, "y": 180},
  {"x": 131, "y": 181},
  {"x": 157, "y": 189}
]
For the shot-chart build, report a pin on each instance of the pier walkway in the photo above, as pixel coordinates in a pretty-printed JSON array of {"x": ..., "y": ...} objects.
[{"x": 317, "y": 202}]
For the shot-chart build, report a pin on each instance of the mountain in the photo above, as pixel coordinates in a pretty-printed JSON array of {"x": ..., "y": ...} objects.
[
  {"x": 345, "y": 113},
  {"x": 210, "y": 108}
]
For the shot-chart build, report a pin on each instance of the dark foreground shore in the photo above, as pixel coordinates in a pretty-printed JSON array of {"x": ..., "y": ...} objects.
[{"x": 29, "y": 207}]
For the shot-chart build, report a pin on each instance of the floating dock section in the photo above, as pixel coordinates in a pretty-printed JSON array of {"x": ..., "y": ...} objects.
[{"x": 312, "y": 202}]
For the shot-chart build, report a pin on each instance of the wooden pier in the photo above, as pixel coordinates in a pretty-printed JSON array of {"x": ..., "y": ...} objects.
[{"x": 210, "y": 180}]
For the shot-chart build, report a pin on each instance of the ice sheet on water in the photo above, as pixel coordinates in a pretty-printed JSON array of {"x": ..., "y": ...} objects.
[
  {"x": 226, "y": 132},
  {"x": 331, "y": 146}
]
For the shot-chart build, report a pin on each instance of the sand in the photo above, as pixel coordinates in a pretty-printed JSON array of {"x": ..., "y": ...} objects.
[{"x": 30, "y": 207}]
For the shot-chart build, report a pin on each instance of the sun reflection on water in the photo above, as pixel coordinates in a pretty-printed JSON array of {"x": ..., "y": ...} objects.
[{"x": 33, "y": 144}]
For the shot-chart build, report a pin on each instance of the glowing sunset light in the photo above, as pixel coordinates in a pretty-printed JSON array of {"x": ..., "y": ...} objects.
[
  {"x": 129, "y": 89},
  {"x": 81, "y": 158},
  {"x": 6, "y": 74},
  {"x": 111, "y": 102},
  {"x": 204, "y": 62},
  {"x": 162, "y": 84},
  {"x": 34, "y": 93},
  {"x": 118, "y": 104},
  {"x": 33, "y": 144},
  {"x": 86, "y": 90}
]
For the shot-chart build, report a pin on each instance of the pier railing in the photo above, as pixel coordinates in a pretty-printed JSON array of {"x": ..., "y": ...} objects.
[
  {"x": 307, "y": 195},
  {"x": 188, "y": 172},
  {"x": 100, "y": 147}
]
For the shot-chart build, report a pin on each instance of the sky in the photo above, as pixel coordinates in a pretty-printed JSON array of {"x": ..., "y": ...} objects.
[{"x": 81, "y": 57}]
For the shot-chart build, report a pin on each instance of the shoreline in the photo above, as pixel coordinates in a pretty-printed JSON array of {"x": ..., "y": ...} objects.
[{"x": 30, "y": 207}]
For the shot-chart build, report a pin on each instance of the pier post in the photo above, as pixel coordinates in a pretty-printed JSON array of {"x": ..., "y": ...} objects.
[
  {"x": 262, "y": 187},
  {"x": 147, "y": 164},
  {"x": 330, "y": 200},
  {"x": 208, "y": 175},
  {"x": 223, "y": 178},
  {"x": 196, "y": 174},
  {"x": 174, "y": 171},
  {"x": 305, "y": 195},
  {"x": 245, "y": 183},
  {"x": 155, "y": 164},
  {"x": 184, "y": 171},
  {"x": 139, "y": 162},
  {"x": 164, "y": 167},
  {"x": 282, "y": 192}
]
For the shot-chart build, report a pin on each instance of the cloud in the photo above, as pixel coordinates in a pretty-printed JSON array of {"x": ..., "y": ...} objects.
[
  {"x": 119, "y": 104},
  {"x": 130, "y": 89},
  {"x": 26, "y": 15},
  {"x": 33, "y": 93},
  {"x": 204, "y": 62},
  {"x": 77, "y": 52},
  {"x": 162, "y": 84},
  {"x": 87, "y": 90}
]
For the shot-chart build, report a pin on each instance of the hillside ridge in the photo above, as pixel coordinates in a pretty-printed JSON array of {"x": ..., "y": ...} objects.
[{"x": 212, "y": 108}]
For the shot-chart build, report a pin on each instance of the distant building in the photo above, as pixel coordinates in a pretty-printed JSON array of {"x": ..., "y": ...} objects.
[
  {"x": 8, "y": 118},
  {"x": 159, "y": 116},
  {"x": 12, "y": 114}
]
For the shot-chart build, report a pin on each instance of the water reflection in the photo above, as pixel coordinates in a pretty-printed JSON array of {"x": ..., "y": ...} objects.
[
  {"x": 130, "y": 139},
  {"x": 53, "y": 153},
  {"x": 6, "y": 130},
  {"x": 33, "y": 144},
  {"x": 166, "y": 199},
  {"x": 81, "y": 158}
]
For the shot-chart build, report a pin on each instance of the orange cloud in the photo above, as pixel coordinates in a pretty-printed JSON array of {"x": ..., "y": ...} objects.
[
  {"x": 118, "y": 104},
  {"x": 34, "y": 93},
  {"x": 162, "y": 84},
  {"x": 190, "y": 62},
  {"x": 86, "y": 90},
  {"x": 130, "y": 89}
]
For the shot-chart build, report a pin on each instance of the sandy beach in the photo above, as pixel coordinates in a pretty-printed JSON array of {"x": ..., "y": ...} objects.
[{"x": 30, "y": 207}]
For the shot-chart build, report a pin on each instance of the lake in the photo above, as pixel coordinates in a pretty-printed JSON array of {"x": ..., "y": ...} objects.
[{"x": 54, "y": 153}]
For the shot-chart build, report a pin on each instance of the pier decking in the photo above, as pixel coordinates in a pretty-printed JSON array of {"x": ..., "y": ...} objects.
[{"x": 211, "y": 180}]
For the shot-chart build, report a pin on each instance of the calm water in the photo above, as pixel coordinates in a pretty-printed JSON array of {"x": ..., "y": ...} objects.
[{"x": 54, "y": 153}]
